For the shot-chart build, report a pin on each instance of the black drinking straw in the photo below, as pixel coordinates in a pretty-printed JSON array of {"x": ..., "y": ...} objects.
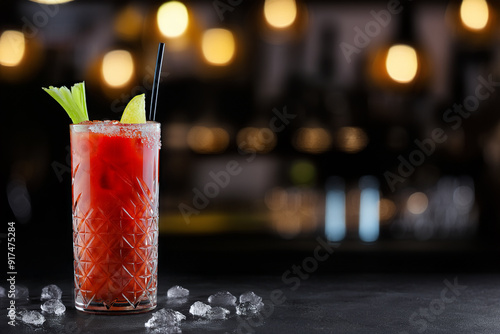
[{"x": 156, "y": 82}]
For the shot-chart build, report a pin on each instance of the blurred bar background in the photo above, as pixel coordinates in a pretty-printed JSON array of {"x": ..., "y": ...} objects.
[{"x": 373, "y": 124}]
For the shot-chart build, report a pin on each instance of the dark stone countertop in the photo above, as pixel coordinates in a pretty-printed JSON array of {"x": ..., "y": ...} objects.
[{"x": 313, "y": 303}]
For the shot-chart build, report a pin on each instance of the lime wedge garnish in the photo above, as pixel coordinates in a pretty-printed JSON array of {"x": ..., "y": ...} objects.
[
  {"x": 135, "y": 111},
  {"x": 74, "y": 101}
]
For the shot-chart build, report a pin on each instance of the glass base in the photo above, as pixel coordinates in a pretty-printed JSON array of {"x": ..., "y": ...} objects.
[{"x": 116, "y": 309}]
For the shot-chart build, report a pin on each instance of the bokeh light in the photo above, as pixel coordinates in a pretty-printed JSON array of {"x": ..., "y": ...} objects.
[
  {"x": 12, "y": 48},
  {"x": 417, "y": 203},
  {"x": 276, "y": 199},
  {"x": 335, "y": 209},
  {"x": 207, "y": 140},
  {"x": 117, "y": 68},
  {"x": 280, "y": 13},
  {"x": 172, "y": 19},
  {"x": 387, "y": 210},
  {"x": 351, "y": 139},
  {"x": 218, "y": 46},
  {"x": 312, "y": 140},
  {"x": 51, "y": 2},
  {"x": 402, "y": 63},
  {"x": 474, "y": 14},
  {"x": 129, "y": 22},
  {"x": 259, "y": 140},
  {"x": 294, "y": 210},
  {"x": 369, "y": 209},
  {"x": 175, "y": 135},
  {"x": 463, "y": 196},
  {"x": 303, "y": 172}
]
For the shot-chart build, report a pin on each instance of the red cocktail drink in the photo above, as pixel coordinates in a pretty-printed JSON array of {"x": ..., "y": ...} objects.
[{"x": 115, "y": 215}]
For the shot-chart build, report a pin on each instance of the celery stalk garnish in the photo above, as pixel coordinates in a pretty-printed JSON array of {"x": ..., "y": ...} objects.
[{"x": 74, "y": 101}]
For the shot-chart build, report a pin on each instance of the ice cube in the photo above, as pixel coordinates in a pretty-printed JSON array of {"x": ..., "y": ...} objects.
[
  {"x": 247, "y": 308},
  {"x": 200, "y": 309},
  {"x": 21, "y": 292},
  {"x": 3, "y": 294},
  {"x": 250, "y": 297},
  {"x": 165, "y": 321},
  {"x": 32, "y": 317},
  {"x": 222, "y": 298},
  {"x": 51, "y": 292},
  {"x": 54, "y": 306},
  {"x": 217, "y": 313},
  {"x": 177, "y": 292}
]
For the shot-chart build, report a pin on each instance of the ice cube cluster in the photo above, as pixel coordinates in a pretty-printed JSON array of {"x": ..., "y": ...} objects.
[
  {"x": 199, "y": 309},
  {"x": 51, "y": 296},
  {"x": 31, "y": 317},
  {"x": 53, "y": 306},
  {"x": 51, "y": 292},
  {"x": 165, "y": 321},
  {"x": 222, "y": 298},
  {"x": 161, "y": 321},
  {"x": 249, "y": 304},
  {"x": 177, "y": 292},
  {"x": 202, "y": 310}
]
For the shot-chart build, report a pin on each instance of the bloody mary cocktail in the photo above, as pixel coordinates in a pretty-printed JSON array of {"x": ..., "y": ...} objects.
[{"x": 115, "y": 215}]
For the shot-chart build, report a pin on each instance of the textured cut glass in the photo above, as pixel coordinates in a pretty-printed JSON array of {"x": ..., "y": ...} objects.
[{"x": 115, "y": 216}]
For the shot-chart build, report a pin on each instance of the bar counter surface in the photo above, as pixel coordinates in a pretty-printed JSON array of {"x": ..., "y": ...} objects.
[{"x": 307, "y": 291}]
